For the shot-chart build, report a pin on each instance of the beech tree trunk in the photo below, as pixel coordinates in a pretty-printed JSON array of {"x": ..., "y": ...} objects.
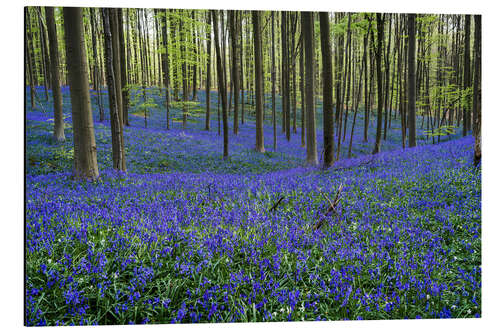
[
  {"x": 411, "y": 81},
  {"x": 118, "y": 149},
  {"x": 235, "y": 61},
  {"x": 328, "y": 144},
  {"x": 165, "y": 68},
  {"x": 85, "y": 150},
  {"x": 221, "y": 84},
  {"x": 308, "y": 37},
  {"x": 476, "y": 102},
  {"x": 54, "y": 74},
  {"x": 209, "y": 74},
  {"x": 123, "y": 66},
  {"x": 380, "y": 97},
  {"x": 466, "y": 108},
  {"x": 259, "y": 84}
]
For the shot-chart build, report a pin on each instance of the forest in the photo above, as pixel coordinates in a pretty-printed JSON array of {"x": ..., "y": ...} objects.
[{"x": 187, "y": 166}]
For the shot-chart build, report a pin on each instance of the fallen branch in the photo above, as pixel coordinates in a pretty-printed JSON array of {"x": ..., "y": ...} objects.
[
  {"x": 276, "y": 204},
  {"x": 332, "y": 208}
]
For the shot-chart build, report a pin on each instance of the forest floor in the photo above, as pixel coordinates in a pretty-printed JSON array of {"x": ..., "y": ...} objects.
[{"x": 187, "y": 237}]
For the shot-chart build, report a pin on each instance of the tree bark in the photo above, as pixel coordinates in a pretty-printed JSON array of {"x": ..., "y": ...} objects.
[
  {"x": 328, "y": 144},
  {"x": 54, "y": 70},
  {"x": 118, "y": 149},
  {"x": 476, "y": 102},
  {"x": 380, "y": 97},
  {"x": 85, "y": 150},
  {"x": 308, "y": 37},
  {"x": 165, "y": 67},
  {"x": 259, "y": 107},
  {"x": 273, "y": 79},
  {"x": 467, "y": 79},
  {"x": 221, "y": 84},
  {"x": 235, "y": 61},
  {"x": 209, "y": 74},
  {"x": 411, "y": 81},
  {"x": 123, "y": 67}
]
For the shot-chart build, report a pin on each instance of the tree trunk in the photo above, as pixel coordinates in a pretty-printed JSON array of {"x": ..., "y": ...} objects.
[
  {"x": 476, "y": 102},
  {"x": 387, "y": 75},
  {"x": 85, "y": 150},
  {"x": 307, "y": 21},
  {"x": 195, "y": 64},
  {"x": 97, "y": 78},
  {"x": 182, "y": 34},
  {"x": 273, "y": 79},
  {"x": 302, "y": 97},
  {"x": 411, "y": 81},
  {"x": 54, "y": 70},
  {"x": 123, "y": 67},
  {"x": 208, "y": 83},
  {"x": 328, "y": 144},
  {"x": 285, "y": 73},
  {"x": 467, "y": 76},
  {"x": 235, "y": 61},
  {"x": 380, "y": 97},
  {"x": 221, "y": 83},
  {"x": 165, "y": 67},
  {"x": 118, "y": 150},
  {"x": 259, "y": 84}
]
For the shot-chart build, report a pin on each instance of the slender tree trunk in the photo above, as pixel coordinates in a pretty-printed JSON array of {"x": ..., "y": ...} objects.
[
  {"x": 113, "y": 20},
  {"x": 307, "y": 21},
  {"x": 85, "y": 150},
  {"x": 387, "y": 75},
  {"x": 45, "y": 54},
  {"x": 411, "y": 81},
  {"x": 380, "y": 97},
  {"x": 221, "y": 83},
  {"x": 235, "y": 61},
  {"x": 27, "y": 53},
  {"x": 166, "y": 67},
  {"x": 285, "y": 73},
  {"x": 367, "y": 96},
  {"x": 123, "y": 67},
  {"x": 302, "y": 97},
  {"x": 328, "y": 143},
  {"x": 195, "y": 64},
  {"x": 182, "y": 34},
  {"x": 273, "y": 79},
  {"x": 360, "y": 87},
  {"x": 54, "y": 69},
  {"x": 476, "y": 102},
  {"x": 259, "y": 84},
  {"x": 118, "y": 149},
  {"x": 97, "y": 79},
  {"x": 208, "y": 79},
  {"x": 30, "y": 58}
]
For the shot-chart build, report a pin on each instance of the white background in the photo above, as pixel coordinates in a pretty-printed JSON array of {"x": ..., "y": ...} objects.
[{"x": 12, "y": 173}]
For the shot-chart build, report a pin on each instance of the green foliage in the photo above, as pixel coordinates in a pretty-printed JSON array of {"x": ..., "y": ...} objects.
[
  {"x": 441, "y": 131},
  {"x": 141, "y": 101}
]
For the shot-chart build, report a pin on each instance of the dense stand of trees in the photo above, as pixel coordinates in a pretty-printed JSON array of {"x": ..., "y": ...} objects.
[{"x": 424, "y": 70}]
